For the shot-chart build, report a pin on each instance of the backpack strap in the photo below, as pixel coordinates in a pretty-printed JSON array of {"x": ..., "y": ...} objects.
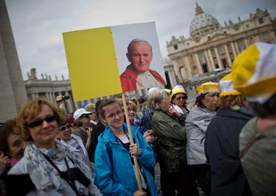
[{"x": 109, "y": 152}]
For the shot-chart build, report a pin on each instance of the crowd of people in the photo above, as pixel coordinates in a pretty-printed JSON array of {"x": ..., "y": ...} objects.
[{"x": 223, "y": 144}]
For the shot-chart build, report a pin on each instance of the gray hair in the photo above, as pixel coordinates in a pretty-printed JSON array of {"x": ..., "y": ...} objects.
[
  {"x": 156, "y": 96},
  {"x": 129, "y": 48}
]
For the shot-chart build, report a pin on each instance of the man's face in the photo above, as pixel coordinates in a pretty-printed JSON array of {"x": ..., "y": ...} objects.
[{"x": 140, "y": 56}]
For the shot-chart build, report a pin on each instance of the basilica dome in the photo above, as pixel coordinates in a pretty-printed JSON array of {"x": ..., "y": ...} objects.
[{"x": 203, "y": 22}]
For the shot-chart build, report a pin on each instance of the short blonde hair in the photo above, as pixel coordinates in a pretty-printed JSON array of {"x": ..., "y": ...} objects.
[
  {"x": 132, "y": 105},
  {"x": 90, "y": 107},
  {"x": 29, "y": 111}
]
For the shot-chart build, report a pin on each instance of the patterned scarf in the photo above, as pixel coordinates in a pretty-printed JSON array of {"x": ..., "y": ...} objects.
[{"x": 43, "y": 174}]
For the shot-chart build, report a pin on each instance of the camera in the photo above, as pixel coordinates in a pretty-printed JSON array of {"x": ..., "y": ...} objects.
[
  {"x": 64, "y": 97},
  {"x": 76, "y": 174}
]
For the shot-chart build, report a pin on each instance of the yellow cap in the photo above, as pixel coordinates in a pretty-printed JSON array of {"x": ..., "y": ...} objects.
[
  {"x": 254, "y": 72},
  {"x": 208, "y": 87},
  {"x": 178, "y": 89},
  {"x": 226, "y": 86}
]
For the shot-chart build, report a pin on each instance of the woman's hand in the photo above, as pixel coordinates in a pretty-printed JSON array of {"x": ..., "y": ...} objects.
[
  {"x": 140, "y": 193},
  {"x": 134, "y": 149},
  {"x": 149, "y": 136},
  {"x": 4, "y": 161},
  {"x": 172, "y": 111},
  {"x": 89, "y": 131}
]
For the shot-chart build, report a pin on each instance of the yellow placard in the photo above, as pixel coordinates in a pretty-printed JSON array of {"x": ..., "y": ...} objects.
[{"x": 92, "y": 63}]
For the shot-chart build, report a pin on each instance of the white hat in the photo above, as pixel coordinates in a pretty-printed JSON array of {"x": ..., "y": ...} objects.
[
  {"x": 226, "y": 86},
  {"x": 80, "y": 112},
  {"x": 178, "y": 89},
  {"x": 254, "y": 72}
]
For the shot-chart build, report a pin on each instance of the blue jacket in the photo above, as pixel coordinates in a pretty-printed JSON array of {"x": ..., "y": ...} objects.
[{"x": 117, "y": 176}]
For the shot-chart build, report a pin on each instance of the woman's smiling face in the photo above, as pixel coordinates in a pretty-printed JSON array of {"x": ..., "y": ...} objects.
[{"x": 43, "y": 135}]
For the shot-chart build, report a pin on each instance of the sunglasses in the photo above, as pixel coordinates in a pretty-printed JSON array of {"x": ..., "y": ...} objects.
[
  {"x": 40, "y": 121},
  {"x": 63, "y": 128},
  {"x": 178, "y": 98},
  {"x": 84, "y": 116}
]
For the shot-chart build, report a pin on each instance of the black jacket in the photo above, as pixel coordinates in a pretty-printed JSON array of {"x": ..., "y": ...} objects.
[{"x": 222, "y": 148}]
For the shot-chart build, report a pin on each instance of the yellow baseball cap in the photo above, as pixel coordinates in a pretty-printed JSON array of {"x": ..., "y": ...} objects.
[
  {"x": 254, "y": 72},
  {"x": 226, "y": 86},
  {"x": 208, "y": 87}
]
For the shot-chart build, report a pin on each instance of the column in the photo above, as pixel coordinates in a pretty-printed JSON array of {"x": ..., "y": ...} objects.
[
  {"x": 188, "y": 66},
  {"x": 211, "y": 59},
  {"x": 52, "y": 97},
  {"x": 246, "y": 43},
  {"x": 76, "y": 105},
  {"x": 198, "y": 63},
  {"x": 218, "y": 58},
  {"x": 237, "y": 48},
  {"x": 208, "y": 60},
  {"x": 47, "y": 96},
  {"x": 227, "y": 55},
  {"x": 69, "y": 103},
  {"x": 234, "y": 50},
  {"x": 172, "y": 78}
]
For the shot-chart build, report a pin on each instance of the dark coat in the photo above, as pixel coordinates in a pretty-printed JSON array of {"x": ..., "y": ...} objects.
[
  {"x": 222, "y": 148},
  {"x": 171, "y": 139}
]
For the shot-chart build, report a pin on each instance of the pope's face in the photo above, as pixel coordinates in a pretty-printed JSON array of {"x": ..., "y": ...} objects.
[{"x": 140, "y": 56}]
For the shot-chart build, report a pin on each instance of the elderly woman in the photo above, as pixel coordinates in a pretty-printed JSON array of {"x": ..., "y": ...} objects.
[
  {"x": 48, "y": 167},
  {"x": 196, "y": 124},
  {"x": 113, "y": 158},
  {"x": 168, "y": 126}
]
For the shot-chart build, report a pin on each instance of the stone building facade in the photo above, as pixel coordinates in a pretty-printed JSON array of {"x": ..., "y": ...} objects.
[{"x": 211, "y": 48}]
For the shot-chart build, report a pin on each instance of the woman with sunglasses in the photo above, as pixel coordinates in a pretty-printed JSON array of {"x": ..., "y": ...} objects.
[
  {"x": 113, "y": 157},
  {"x": 179, "y": 98},
  {"x": 82, "y": 126},
  {"x": 71, "y": 140},
  {"x": 196, "y": 124},
  {"x": 48, "y": 167}
]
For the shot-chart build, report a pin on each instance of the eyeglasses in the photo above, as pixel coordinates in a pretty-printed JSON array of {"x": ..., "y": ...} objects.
[
  {"x": 178, "y": 98},
  {"x": 112, "y": 115},
  {"x": 63, "y": 128},
  {"x": 40, "y": 121}
]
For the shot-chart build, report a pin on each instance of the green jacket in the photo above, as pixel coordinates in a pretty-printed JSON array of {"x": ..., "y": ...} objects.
[{"x": 172, "y": 141}]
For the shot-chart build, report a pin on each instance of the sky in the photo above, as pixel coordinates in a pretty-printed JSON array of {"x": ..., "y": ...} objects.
[{"x": 38, "y": 25}]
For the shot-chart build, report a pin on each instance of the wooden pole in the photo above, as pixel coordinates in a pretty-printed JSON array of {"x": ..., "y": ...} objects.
[{"x": 136, "y": 167}]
